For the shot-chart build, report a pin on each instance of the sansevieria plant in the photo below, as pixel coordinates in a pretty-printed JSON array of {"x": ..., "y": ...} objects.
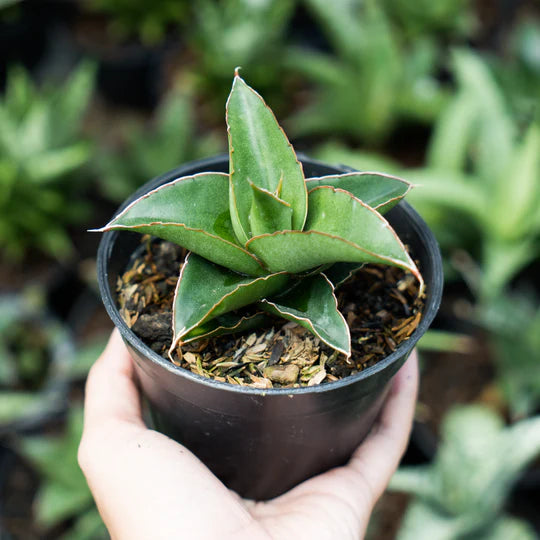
[{"x": 265, "y": 239}]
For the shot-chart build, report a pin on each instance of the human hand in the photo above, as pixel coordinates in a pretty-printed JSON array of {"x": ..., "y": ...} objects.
[{"x": 149, "y": 487}]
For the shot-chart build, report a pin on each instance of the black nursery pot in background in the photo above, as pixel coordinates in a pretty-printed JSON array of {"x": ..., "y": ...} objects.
[{"x": 261, "y": 443}]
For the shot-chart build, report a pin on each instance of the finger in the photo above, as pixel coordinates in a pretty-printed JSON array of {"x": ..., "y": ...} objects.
[
  {"x": 111, "y": 393},
  {"x": 378, "y": 457},
  {"x": 129, "y": 467}
]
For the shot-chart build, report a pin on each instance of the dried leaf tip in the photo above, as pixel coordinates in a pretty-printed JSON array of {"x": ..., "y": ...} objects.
[{"x": 237, "y": 71}]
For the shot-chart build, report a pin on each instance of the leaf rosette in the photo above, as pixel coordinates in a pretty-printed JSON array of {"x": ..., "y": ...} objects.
[{"x": 265, "y": 236}]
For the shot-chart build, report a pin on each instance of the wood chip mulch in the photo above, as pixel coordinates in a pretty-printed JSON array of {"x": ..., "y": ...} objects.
[{"x": 380, "y": 304}]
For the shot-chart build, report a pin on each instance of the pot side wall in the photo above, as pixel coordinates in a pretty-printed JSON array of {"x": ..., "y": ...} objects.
[{"x": 263, "y": 443}]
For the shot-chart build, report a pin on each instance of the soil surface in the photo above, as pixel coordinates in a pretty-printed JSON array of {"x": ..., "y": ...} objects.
[{"x": 379, "y": 303}]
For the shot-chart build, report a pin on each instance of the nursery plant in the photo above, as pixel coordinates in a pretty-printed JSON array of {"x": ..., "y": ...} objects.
[
  {"x": 35, "y": 351},
  {"x": 239, "y": 32},
  {"x": 476, "y": 148},
  {"x": 41, "y": 149},
  {"x": 147, "y": 150},
  {"x": 463, "y": 492},
  {"x": 63, "y": 496},
  {"x": 513, "y": 320},
  {"x": 450, "y": 18},
  {"x": 264, "y": 235},
  {"x": 370, "y": 81},
  {"x": 480, "y": 191},
  {"x": 518, "y": 71}
]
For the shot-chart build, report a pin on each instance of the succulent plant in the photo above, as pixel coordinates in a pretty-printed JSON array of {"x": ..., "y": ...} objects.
[
  {"x": 264, "y": 236},
  {"x": 146, "y": 150},
  {"x": 463, "y": 492},
  {"x": 42, "y": 160},
  {"x": 63, "y": 497},
  {"x": 476, "y": 147},
  {"x": 369, "y": 63}
]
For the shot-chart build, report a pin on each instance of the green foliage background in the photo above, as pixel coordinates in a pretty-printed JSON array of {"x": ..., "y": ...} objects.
[{"x": 444, "y": 93}]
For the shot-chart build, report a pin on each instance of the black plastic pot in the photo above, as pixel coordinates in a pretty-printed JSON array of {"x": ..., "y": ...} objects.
[{"x": 263, "y": 442}]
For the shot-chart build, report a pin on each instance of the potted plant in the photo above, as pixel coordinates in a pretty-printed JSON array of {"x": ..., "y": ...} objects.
[{"x": 263, "y": 241}]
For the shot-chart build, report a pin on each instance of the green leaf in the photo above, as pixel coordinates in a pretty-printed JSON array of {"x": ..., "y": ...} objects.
[
  {"x": 480, "y": 459},
  {"x": 192, "y": 212},
  {"x": 449, "y": 190},
  {"x": 268, "y": 212},
  {"x": 63, "y": 490},
  {"x": 75, "y": 95},
  {"x": 205, "y": 290},
  {"x": 425, "y": 522},
  {"x": 493, "y": 135},
  {"x": 462, "y": 492},
  {"x": 502, "y": 260},
  {"x": 510, "y": 528},
  {"x": 228, "y": 323},
  {"x": 440, "y": 340},
  {"x": 313, "y": 305},
  {"x": 518, "y": 190},
  {"x": 380, "y": 191},
  {"x": 87, "y": 526},
  {"x": 339, "y": 228},
  {"x": 452, "y": 134},
  {"x": 260, "y": 151},
  {"x": 48, "y": 166},
  {"x": 416, "y": 480},
  {"x": 16, "y": 405},
  {"x": 86, "y": 355},
  {"x": 57, "y": 502},
  {"x": 513, "y": 322},
  {"x": 337, "y": 153}
]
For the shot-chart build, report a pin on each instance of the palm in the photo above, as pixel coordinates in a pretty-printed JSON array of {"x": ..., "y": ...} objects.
[{"x": 148, "y": 486}]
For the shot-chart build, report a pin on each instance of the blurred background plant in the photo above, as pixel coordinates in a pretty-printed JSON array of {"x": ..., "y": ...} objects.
[
  {"x": 146, "y": 21},
  {"x": 370, "y": 80},
  {"x": 518, "y": 71},
  {"x": 246, "y": 33},
  {"x": 443, "y": 93},
  {"x": 480, "y": 164},
  {"x": 149, "y": 149},
  {"x": 42, "y": 154},
  {"x": 34, "y": 348},
  {"x": 447, "y": 19},
  {"x": 462, "y": 493},
  {"x": 63, "y": 495},
  {"x": 514, "y": 324}
]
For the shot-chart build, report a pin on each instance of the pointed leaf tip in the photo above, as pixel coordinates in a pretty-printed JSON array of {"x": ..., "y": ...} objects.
[
  {"x": 259, "y": 150},
  {"x": 167, "y": 212},
  {"x": 268, "y": 212}
]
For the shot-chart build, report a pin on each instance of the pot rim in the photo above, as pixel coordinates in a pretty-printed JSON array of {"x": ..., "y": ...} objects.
[{"x": 404, "y": 348}]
